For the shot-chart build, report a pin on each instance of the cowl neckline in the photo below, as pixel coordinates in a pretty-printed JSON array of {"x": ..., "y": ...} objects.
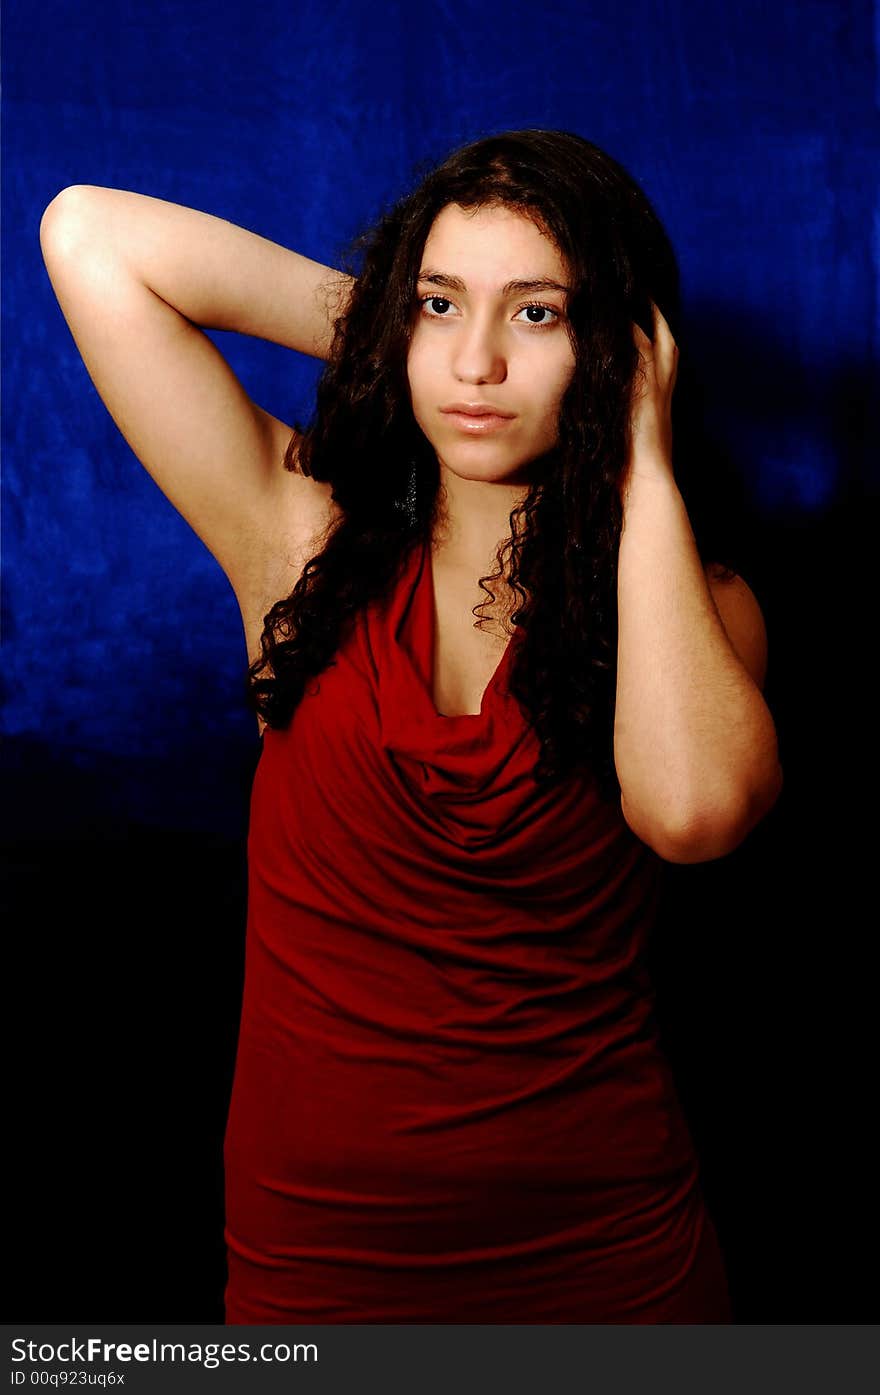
[
  {"x": 470, "y": 757},
  {"x": 425, "y": 589}
]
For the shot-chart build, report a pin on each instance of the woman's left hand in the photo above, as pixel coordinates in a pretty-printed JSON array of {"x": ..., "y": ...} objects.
[{"x": 650, "y": 451}]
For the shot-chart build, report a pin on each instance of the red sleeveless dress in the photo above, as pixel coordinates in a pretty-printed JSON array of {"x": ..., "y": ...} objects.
[{"x": 449, "y": 1103}]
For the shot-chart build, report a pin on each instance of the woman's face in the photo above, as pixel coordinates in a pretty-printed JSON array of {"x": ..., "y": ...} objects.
[{"x": 477, "y": 341}]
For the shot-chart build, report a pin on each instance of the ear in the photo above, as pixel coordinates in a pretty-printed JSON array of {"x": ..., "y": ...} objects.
[{"x": 743, "y": 621}]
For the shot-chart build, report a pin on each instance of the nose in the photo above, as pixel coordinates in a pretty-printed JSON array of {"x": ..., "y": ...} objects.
[{"x": 478, "y": 356}]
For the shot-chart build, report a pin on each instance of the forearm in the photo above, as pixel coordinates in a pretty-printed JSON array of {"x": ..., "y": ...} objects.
[
  {"x": 219, "y": 275},
  {"x": 694, "y": 742}
]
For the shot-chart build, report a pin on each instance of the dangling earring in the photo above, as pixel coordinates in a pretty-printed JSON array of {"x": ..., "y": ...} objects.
[
  {"x": 407, "y": 504},
  {"x": 410, "y": 502}
]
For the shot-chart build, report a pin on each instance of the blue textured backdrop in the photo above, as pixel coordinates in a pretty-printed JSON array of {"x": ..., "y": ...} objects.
[{"x": 751, "y": 130}]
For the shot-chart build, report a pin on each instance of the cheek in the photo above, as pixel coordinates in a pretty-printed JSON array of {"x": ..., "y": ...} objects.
[
  {"x": 553, "y": 386},
  {"x": 562, "y": 380},
  {"x": 420, "y": 394},
  {"x": 415, "y": 368}
]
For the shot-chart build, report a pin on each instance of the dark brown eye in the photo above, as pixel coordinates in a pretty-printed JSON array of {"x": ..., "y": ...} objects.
[{"x": 434, "y": 301}]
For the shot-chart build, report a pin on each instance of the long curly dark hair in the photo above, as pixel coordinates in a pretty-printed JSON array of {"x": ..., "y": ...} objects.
[{"x": 561, "y": 557}]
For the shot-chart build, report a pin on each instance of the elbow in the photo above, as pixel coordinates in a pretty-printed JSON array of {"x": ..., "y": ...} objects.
[
  {"x": 51, "y": 219},
  {"x": 62, "y": 217},
  {"x": 704, "y": 835},
  {"x": 703, "y": 839},
  {"x": 707, "y": 836}
]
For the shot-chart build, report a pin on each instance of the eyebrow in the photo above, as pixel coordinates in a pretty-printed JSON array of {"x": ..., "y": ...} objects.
[{"x": 455, "y": 283}]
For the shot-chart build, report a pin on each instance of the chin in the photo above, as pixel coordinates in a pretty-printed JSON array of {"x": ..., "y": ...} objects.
[
  {"x": 484, "y": 464},
  {"x": 496, "y": 471}
]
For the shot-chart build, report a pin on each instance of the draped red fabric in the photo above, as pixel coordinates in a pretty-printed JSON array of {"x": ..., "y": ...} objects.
[{"x": 449, "y": 1101}]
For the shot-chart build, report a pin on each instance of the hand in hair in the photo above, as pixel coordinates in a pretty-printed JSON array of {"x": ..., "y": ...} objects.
[{"x": 650, "y": 437}]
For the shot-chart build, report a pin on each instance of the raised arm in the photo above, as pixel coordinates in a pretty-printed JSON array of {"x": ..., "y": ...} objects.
[{"x": 135, "y": 278}]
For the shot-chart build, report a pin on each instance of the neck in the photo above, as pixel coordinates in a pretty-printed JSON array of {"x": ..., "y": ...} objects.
[{"x": 473, "y": 518}]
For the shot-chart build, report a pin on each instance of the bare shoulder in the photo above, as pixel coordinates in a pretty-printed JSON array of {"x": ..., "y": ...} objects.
[
  {"x": 288, "y": 529},
  {"x": 742, "y": 618}
]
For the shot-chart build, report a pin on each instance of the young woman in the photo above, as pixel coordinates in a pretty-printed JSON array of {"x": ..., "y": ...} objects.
[{"x": 450, "y": 1104}]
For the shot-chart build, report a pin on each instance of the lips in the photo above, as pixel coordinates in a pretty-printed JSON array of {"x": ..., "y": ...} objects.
[
  {"x": 475, "y": 409},
  {"x": 471, "y": 423}
]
